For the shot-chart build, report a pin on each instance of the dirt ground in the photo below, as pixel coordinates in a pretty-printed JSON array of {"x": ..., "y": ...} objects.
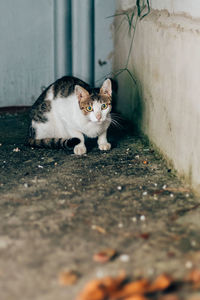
[{"x": 58, "y": 209}]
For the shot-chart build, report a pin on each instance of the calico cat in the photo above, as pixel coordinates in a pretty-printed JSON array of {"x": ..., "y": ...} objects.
[{"x": 69, "y": 109}]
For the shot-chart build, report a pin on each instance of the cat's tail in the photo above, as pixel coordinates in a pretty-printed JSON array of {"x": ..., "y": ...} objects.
[{"x": 54, "y": 143}]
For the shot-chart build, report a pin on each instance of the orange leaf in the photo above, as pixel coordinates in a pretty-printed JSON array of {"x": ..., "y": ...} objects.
[
  {"x": 101, "y": 289},
  {"x": 132, "y": 288},
  {"x": 93, "y": 290},
  {"x": 136, "y": 297},
  {"x": 194, "y": 276},
  {"x": 161, "y": 283}
]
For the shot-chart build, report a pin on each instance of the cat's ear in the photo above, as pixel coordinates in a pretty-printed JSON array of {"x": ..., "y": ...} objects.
[
  {"x": 81, "y": 93},
  {"x": 106, "y": 88}
]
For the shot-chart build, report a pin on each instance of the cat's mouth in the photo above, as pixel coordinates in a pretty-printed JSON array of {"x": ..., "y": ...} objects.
[{"x": 96, "y": 121}]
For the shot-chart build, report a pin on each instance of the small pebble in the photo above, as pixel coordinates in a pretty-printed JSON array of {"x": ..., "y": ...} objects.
[
  {"x": 142, "y": 218},
  {"x": 4, "y": 243},
  {"x": 124, "y": 258},
  {"x": 188, "y": 265},
  {"x": 134, "y": 219},
  {"x": 120, "y": 225},
  {"x": 100, "y": 274},
  {"x": 150, "y": 271},
  {"x": 62, "y": 201},
  {"x": 193, "y": 243}
]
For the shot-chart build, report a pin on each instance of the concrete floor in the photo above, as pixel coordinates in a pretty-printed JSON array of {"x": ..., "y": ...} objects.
[{"x": 58, "y": 209}]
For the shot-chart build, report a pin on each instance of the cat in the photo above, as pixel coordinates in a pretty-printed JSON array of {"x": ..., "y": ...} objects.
[{"x": 68, "y": 110}]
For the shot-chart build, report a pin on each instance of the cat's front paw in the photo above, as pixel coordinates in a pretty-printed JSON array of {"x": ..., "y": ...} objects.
[
  {"x": 80, "y": 149},
  {"x": 105, "y": 146}
]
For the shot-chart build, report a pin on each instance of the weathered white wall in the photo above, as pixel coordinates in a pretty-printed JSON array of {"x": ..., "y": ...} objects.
[
  {"x": 166, "y": 62},
  {"x": 27, "y": 50},
  {"x": 191, "y": 7}
]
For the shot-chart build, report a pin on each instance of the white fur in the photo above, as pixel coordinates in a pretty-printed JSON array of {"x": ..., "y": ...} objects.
[{"x": 66, "y": 120}]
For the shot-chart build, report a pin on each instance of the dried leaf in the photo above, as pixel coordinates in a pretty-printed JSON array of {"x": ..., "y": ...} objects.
[
  {"x": 194, "y": 276},
  {"x": 132, "y": 289},
  {"x": 99, "y": 229},
  {"x": 101, "y": 289},
  {"x": 93, "y": 290},
  {"x": 161, "y": 283},
  {"x": 136, "y": 297},
  {"x": 68, "y": 277},
  {"x": 104, "y": 255},
  {"x": 117, "y": 288}
]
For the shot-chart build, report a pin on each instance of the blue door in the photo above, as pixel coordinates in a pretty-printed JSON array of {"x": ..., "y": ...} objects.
[{"x": 42, "y": 40}]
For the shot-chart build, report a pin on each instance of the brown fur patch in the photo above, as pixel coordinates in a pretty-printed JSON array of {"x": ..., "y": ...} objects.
[
  {"x": 88, "y": 101},
  {"x": 38, "y": 112}
]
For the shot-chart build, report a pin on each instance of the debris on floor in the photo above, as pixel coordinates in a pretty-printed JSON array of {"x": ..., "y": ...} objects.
[{"x": 66, "y": 220}]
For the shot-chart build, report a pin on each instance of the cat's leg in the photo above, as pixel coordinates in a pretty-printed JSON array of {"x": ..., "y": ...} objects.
[
  {"x": 79, "y": 149},
  {"x": 102, "y": 141}
]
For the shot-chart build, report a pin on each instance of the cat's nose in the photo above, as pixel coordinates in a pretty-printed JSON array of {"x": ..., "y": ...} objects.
[{"x": 98, "y": 116}]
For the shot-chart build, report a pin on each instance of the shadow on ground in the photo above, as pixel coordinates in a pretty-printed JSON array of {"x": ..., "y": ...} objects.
[{"x": 58, "y": 209}]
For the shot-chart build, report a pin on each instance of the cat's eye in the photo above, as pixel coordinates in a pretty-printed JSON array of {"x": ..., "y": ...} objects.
[
  {"x": 104, "y": 106},
  {"x": 89, "y": 108}
]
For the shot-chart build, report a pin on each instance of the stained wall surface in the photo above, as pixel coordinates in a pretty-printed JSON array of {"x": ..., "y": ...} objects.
[{"x": 165, "y": 61}]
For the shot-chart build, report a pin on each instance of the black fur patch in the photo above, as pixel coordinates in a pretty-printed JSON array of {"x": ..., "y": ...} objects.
[
  {"x": 71, "y": 143},
  {"x": 32, "y": 132},
  {"x": 64, "y": 86},
  {"x": 39, "y": 108}
]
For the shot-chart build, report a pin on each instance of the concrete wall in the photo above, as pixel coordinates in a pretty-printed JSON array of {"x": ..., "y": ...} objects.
[{"x": 165, "y": 60}]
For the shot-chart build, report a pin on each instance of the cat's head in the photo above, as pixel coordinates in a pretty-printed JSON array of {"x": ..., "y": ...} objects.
[{"x": 95, "y": 105}]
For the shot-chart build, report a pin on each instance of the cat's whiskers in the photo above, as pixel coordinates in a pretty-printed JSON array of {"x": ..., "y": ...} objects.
[{"x": 115, "y": 122}]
